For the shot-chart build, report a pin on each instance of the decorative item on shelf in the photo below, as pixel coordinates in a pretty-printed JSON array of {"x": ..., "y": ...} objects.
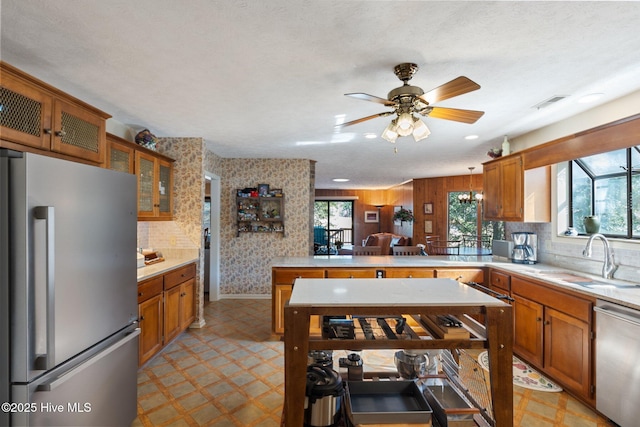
[
  {"x": 468, "y": 198},
  {"x": 571, "y": 232},
  {"x": 146, "y": 139},
  {"x": 263, "y": 190},
  {"x": 339, "y": 244},
  {"x": 591, "y": 224},
  {"x": 506, "y": 147},
  {"x": 494, "y": 153},
  {"x": 403, "y": 215}
]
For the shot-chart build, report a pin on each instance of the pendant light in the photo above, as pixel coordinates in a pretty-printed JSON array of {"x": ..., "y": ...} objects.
[{"x": 469, "y": 198}]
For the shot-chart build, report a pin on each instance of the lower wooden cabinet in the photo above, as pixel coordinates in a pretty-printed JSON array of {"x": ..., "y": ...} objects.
[
  {"x": 282, "y": 281},
  {"x": 166, "y": 307},
  {"x": 150, "y": 321},
  {"x": 553, "y": 331},
  {"x": 178, "y": 309},
  {"x": 528, "y": 329}
]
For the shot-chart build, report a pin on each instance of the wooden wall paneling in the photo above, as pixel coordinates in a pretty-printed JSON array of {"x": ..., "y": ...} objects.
[{"x": 436, "y": 191}]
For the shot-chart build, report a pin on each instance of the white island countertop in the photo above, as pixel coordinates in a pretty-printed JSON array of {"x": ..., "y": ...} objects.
[{"x": 387, "y": 293}]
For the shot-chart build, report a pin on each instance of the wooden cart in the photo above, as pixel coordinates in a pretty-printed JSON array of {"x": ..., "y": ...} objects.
[{"x": 396, "y": 297}]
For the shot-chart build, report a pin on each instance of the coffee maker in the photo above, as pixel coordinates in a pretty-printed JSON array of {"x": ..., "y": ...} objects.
[{"x": 525, "y": 247}]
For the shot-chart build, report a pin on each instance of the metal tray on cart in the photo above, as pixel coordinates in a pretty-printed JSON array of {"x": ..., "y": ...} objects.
[{"x": 387, "y": 402}]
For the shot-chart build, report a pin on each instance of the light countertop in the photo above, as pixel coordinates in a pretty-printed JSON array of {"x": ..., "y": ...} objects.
[
  {"x": 627, "y": 295},
  {"x": 387, "y": 293},
  {"x": 152, "y": 270}
]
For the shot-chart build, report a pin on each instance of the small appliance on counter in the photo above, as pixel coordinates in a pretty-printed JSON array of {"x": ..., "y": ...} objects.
[{"x": 525, "y": 247}]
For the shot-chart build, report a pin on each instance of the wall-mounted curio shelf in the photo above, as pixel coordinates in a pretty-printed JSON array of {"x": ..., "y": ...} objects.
[{"x": 259, "y": 214}]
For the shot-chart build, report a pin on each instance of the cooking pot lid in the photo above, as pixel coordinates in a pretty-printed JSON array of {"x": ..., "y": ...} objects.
[{"x": 323, "y": 381}]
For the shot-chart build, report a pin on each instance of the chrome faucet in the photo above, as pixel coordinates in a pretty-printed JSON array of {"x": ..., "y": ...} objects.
[{"x": 609, "y": 267}]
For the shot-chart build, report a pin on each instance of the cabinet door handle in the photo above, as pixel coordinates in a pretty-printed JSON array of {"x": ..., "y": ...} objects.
[
  {"x": 47, "y": 131},
  {"x": 60, "y": 133},
  {"x": 410, "y": 276},
  {"x": 538, "y": 319},
  {"x": 547, "y": 322},
  {"x": 140, "y": 294},
  {"x": 141, "y": 318}
]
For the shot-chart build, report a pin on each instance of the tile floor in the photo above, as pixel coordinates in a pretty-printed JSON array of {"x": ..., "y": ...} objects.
[{"x": 230, "y": 373}]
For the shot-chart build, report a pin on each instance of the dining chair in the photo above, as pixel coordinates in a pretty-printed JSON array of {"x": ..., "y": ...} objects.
[
  {"x": 406, "y": 251},
  {"x": 445, "y": 247},
  {"x": 367, "y": 250}
]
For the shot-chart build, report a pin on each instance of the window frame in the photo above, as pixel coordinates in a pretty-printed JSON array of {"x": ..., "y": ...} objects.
[{"x": 628, "y": 172}]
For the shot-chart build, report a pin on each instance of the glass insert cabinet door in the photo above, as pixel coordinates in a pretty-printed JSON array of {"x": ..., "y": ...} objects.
[
  {"x": 164, "y": 189},
  {"x": 155, "y": 181},
  {"x": 145, "y": 169}
]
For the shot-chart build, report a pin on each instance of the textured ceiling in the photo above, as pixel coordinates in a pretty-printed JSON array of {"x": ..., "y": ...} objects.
[{"x": 267, "y": 79}]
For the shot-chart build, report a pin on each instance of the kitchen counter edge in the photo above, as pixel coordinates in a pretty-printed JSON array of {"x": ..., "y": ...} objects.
[{"x": 153, "y": 270}]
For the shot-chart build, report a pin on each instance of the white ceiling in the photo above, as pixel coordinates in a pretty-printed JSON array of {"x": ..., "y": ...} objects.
[{"x": 266, "y": 79}]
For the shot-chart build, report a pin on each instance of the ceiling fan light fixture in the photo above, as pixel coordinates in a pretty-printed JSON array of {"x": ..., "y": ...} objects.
[
  {"x": 390, "y": 133},
  {"x": 405, "y": 124},
  {"x": 420, "y": 130}
]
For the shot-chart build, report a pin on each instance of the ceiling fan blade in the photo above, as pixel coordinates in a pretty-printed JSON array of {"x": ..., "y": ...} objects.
[
  {"x": 465, "y": 116},
  {"x": 364, "y": 119},
  {"x": 367, "y": 97},
  {"x": 455, "y": 87}
]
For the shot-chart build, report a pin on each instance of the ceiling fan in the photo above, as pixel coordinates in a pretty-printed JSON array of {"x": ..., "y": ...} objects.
[{"x": 407, "y": 100}]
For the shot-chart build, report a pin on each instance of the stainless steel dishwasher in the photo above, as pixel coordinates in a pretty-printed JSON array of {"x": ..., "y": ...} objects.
[{"x": 617, "y": 362}]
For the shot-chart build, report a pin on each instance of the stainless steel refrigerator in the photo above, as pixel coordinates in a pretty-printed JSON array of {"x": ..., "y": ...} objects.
[{"x": 68, "y": 306}]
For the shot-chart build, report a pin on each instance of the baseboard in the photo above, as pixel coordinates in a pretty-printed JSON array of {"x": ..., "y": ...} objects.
[{"x": 245, "y": 296}]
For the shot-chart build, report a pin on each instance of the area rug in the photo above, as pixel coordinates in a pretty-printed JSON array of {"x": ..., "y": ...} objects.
[{"x": 523, "y": 375}]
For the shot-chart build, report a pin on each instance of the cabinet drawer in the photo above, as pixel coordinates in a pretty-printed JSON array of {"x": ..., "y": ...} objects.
[
  {"x": 467, "y": 275},
  {"x": 179, "y": 275},
  {"x": 287, "y": 277},
  {"x": 402, "y": 273},
  {"x": 500, "y": 280},
  {"x": 351, "y": 273},
  {"x": 149, "y": 288},
  {"x": 568, "y": 304}
]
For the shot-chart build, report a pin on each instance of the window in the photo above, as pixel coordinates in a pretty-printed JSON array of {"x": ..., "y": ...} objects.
[
  {"x": 332, "y": 223},
  {"x": 607, "y": 185},
  {"x": 465, "y": 219}
]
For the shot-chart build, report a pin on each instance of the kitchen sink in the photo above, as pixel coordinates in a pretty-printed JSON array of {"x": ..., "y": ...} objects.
[
  {"x": 594, "y": 284},
  {"x": 583, "y": 281}
]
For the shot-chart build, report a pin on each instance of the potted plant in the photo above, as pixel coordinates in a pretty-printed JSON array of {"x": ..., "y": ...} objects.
[{"x": 403, "y": 215}]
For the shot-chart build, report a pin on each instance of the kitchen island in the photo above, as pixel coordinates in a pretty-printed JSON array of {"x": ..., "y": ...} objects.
[{"x": 395, "y": 297}]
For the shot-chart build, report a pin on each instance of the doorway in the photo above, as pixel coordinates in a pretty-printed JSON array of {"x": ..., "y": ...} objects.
[{"x": 211, "y": 238}]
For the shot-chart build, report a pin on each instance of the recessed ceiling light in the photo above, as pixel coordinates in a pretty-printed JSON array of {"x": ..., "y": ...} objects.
[
  {"x": 340, "y": 179},
  {"x": 370, "y": 135},
  {"x": 590, "y": 98},
  {"x": 470, "y": 137}
]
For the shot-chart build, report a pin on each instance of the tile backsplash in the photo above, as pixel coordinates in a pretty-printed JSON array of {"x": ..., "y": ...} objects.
[{"x": 566, "y": 252}]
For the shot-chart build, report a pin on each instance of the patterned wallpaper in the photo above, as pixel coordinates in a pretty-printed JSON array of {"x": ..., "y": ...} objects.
[
  {"x": 188, "y": 191},
  {"x": 245, "y": 264}
]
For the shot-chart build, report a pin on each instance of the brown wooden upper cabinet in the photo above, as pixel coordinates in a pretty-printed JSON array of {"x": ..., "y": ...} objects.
[
  {"x": 154, "y": 172},
  {"x": 40, "y": 118},
  {"x": 512, "y": 193}
]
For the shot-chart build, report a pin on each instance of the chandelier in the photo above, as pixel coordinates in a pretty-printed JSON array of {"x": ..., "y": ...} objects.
[{"x": 469, "y": 198}]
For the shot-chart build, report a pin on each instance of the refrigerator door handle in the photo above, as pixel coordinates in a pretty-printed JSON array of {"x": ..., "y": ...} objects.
[
  {"x": 91, "y": 361},
  {"x": 47, "y": 361}
]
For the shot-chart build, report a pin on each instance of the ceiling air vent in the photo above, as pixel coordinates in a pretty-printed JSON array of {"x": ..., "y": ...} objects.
[{"x": 546, "y": 103}]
